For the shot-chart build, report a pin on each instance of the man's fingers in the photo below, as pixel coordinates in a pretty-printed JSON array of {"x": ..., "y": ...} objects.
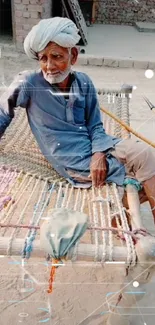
[
  {"x": 94, "y": 178},
  {"x": 98, "y": 177}
]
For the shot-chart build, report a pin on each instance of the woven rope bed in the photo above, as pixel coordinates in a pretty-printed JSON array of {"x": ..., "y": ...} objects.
[{"x": 30, "y": 187}]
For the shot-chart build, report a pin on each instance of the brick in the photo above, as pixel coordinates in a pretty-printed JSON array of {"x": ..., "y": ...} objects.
[
  {"x": 125, "y": 63},
  {"x": 34, "y": 14},
  {"x": 32, "y": 7},
  {"x": 95, "y": 60},
  {"x": 18, "y": 20},
  {"x": 21, "y": 32},
  {"x": 140, "y": 64},
  {"x": 109, "y": 62},
  {"x": 18, "y": 26},
  {"x": 18, "y": 13},
  {"x": 35, "y": 8},
  {"x": 19, "y": 38},
  {"x": 33, "y": 21},
  {"x": 82, "y": 60},
  {"x": 26, "y": 14},
  {"x": 20, "y": 6},
  {"x": 39, "y": 8},
  {"x": 151, "y": 65},
  {"x": 124, "y": 12},
  {"x": 25, "y": 2},
  {"x": 33, "y": 2},
  {"x": 21, "y": 20},
  {"x": 26, "y": 27}
]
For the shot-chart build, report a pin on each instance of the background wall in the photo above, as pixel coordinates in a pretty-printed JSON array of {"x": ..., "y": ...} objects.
[
  {"x": 26, "y": 14},
  {"x": 124, "y": 11}
]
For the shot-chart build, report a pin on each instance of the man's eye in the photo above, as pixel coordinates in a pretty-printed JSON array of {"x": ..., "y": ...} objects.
[
  {"x": 43, "y": 59},
  {"x": 57, "y": 56}
]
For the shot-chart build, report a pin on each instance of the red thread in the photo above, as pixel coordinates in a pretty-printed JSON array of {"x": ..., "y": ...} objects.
[{"x": 52, "y": 275}]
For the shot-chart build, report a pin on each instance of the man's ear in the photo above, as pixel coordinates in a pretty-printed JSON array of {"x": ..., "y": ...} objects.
[{"x": 74, "y": 55}]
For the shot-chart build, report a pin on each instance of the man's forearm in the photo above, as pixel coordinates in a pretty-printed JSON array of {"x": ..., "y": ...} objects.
[
  {"x": 4, "y": 122},
  {"x": 100, "y": 140}
]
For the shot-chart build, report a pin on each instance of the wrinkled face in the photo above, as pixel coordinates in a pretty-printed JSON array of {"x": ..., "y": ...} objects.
[{"x": 55, "y": 62}]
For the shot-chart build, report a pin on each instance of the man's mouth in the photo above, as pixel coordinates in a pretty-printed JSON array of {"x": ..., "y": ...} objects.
[{"x": 53, "y": 74}]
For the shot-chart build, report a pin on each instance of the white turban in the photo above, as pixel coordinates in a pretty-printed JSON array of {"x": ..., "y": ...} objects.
[{"x": 62, "y": 31}]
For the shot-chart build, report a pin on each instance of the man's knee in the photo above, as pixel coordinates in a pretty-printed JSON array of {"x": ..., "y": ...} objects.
[
  {"x": 141, "y": 152},
  {"x": 144, "y": 162}
]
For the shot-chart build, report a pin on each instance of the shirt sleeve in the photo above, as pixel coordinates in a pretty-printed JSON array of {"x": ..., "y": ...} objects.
[
  {"x": 16, "y": 95},
  {"x": 100, "y": 140}
]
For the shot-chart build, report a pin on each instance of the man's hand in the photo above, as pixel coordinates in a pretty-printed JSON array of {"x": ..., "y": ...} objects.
[{"x": 98, "y": 169}]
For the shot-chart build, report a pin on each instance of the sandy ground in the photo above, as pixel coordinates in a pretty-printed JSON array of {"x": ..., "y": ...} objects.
[{"x": 80, "y": 292}]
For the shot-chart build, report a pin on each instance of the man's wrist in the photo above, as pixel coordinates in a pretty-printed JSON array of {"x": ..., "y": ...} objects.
[{"x": 100, "y": 154}]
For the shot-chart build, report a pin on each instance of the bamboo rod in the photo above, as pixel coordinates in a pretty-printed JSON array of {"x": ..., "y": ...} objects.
[{"x": 127, "y": 127}]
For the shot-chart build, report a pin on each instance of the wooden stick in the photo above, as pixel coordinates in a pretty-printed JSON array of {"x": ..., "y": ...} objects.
[
  {"x": 85, "y": 252},
  {"x": 127, "y": 127},
  {"x": 93, "y": 11}
]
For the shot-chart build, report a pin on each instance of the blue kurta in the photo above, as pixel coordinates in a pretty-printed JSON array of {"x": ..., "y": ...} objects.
[{"x": 69, "y": 131}]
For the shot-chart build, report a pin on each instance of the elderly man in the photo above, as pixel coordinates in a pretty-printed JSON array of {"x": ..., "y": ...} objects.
[{"x": 64, "y": 115}]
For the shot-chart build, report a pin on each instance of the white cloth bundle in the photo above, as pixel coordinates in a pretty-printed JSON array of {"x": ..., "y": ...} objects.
[{"x": 62, "y": 31}]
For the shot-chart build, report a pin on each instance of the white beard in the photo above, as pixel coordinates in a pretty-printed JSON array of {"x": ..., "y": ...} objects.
[{"x": 57, "y": 78}]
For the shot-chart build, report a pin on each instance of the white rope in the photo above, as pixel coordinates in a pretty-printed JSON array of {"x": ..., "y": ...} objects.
[
  {"x": 77, "y": 200},
  {"x": 103, "y": 224},
  {"x": 43, "y": 201},
  {"x": 15, "y": 192},
  {"x": 31, "y": 222},
  {"x": 109, "y": 225},
  {"x": 90, "y": 213},
  {"x": 76, "y": 207},
  {"x": 7, "y": 178},
  {"x": 65, "y": 196},
  {"x": 75, "y": 251},
  {"x": 59, "y": 196},
  {"x": 70, "y": 198},
  {"x": 21, "y": 217},
  {"x": 83, "y": 200},
  {"x": 96, "y": 224},
  {"x": 13, "y": 184},
  {"x": 3, "y": 175},
  {"x": 9, "y": 190},
  {"x": 131, "y": 258},
  {"x": 21, "y": 191},
  {"x": 116, "y": 214}
]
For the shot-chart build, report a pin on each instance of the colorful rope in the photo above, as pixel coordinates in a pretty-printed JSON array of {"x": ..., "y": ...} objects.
[{"x": 52, "y": 274}]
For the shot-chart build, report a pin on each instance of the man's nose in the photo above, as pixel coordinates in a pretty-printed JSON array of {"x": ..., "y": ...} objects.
[{"x": 50, "y": 64}]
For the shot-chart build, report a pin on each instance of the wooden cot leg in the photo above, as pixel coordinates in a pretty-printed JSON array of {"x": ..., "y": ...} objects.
[
  {"x": 120, "y": 316},
  {"x": 141, "y": 273},
  {"x": 134, "y": 207},
  {"x": 131, "y": 201}
]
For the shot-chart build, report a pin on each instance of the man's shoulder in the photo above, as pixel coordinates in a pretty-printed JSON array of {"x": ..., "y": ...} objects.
[
  {"x": 84, "y": 82},
  {"x": 82, "y": 76},
  {"x": 28, "y": 76}
]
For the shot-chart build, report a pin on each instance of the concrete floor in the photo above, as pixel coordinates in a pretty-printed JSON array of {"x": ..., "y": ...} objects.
[
  {"x": 119, "y": 41},
  {"x": 112, "y": 41}
]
